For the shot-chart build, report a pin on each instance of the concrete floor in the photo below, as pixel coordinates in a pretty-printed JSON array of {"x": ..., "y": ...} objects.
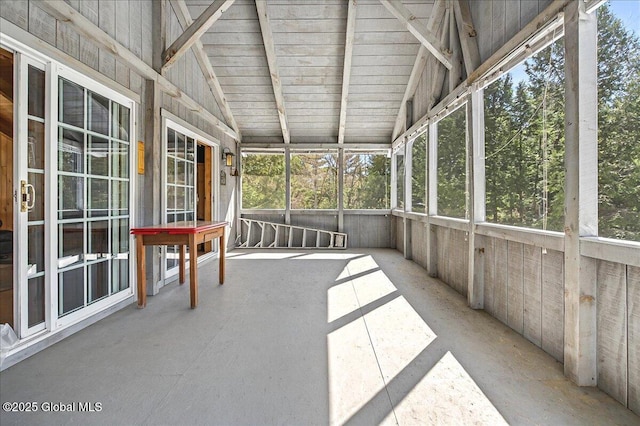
[{"x": 304, "y": 338}]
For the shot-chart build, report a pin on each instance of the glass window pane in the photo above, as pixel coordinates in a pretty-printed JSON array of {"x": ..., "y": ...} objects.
[
  {"x": 367, "y": 181},
  {"x": 71, "y": 151},
  {"x": 191, "y": 146},
  {"x": 71, "y": 103},
  {"x": 98, "y": 240},
  {"x": 180, "y": 145},
  {"x": 70, "y": 197},
  {"x": 35, "y": 147},
  {"x": 120, "y": 160},
  {"x": 119, "y": 275},
  {"x": 400, "y": 181},
  {"x": 171, "y": 197},
  {"x": 171, "y": 170},
  {"x": 120, "y": 121},
  {"x": 98, "y": 281},
  {"x": 171, "y": 141},
  {"x": 314, "y": 181},
  {"x": 98, "y": 155},
  {"x": 619, "y": 120},
  {"x": 70, "y": 290},
  {"x": 36, "y": 249},
  {"x": 98, "y": 113},
  {"x": 452, "y": 183},
  {"x": 181, "y": 172},
  {"x": 173, "y": 254},
  {"x": 36, "y": 92},
  {"x": 189, "y": 176},
  {"x": 120, "y": 237},
  {"x": 98, "y": 197},
  {"x": 120, "y": 197},
  {"x": 419, "y": 174},
  {"x": 524, "y": 143},
  {"x": 180, "y": 195},
  {"x": 36, "y": 301},
  {"x": 70, "y": 244},
  {"x": 37, "y": 212}
]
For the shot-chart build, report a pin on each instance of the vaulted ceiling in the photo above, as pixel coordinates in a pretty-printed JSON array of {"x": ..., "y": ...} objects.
[{"x": 320, "y": 71}]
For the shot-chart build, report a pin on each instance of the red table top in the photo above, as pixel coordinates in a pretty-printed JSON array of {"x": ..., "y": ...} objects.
[{"x": 183, "y": 227}]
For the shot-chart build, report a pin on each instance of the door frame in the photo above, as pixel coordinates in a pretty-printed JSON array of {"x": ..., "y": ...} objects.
[{"x": 170, "y": 120}]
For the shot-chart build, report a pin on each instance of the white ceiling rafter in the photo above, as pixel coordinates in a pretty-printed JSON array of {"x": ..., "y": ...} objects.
[
  {"x": 346, "y": 73},
  {"x": 434, "y": 67},
  {"x": 419, "y": 30},
  {"x": 184, "y": 17},
  {"x": 65, "y": 13},
  {"x": 467, "y": 34},
  {"x": 194, "y": 31},
  {"x": 270, "y": 51},
  {"x": 437, "y": 15}
]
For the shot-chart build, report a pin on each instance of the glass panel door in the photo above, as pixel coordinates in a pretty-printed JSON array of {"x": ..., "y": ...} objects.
[
  {"x": 180, "y": 193},
  {"x": 31, "y": 185},
  {"x": 93, "y": 197}
]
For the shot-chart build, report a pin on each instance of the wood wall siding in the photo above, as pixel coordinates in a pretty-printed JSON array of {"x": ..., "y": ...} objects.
[
  {"x": 618, "y": 318},
  {"x": 129, "y": 23},
  {"x": 452, "y": 251},
  {"x": 524, "y": 289}
]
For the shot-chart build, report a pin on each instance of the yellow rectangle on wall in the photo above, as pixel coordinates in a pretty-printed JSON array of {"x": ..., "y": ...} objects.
[{"x": 140, "y": 157}]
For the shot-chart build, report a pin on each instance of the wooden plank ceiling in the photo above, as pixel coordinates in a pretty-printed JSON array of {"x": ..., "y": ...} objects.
[{"x": 307, "y": 59}]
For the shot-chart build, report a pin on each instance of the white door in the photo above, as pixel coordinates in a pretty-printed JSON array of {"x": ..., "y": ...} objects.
[{"x": 31, "y": 173}]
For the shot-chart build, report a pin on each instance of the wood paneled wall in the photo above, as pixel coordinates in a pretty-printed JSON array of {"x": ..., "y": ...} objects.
[{"x": 618, "y": 317}]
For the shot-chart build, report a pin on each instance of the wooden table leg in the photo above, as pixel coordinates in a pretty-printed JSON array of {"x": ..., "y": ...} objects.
[
  {"x": 221, "y": 263},
  {"x": 183, "y": 256},
  {"x": 193, "y": 270},
  {"x": 142, "y": 279}
]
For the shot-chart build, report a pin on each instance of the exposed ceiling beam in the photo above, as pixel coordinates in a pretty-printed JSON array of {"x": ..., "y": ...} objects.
[
  {"x": 420, "y": 31},
  {"x": 437, "y": 15},
  {"x": 194, "y": 31},
  {"x": 62, "y": 11},
  {"x": 434, "y": 68},
  {"x": 467, "y": 34},
  {"x": 184, "y": 17},
  {"x": 270, "y": 51},
  {"x": 455, "y": 73},
  {"x": 346, "y": 70}
]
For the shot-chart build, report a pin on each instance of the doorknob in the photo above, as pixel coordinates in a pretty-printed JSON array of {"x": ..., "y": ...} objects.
[{"x": 28, "y": 196}]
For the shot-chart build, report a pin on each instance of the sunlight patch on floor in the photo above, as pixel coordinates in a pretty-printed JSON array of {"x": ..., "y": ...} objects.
[
  {"x": 447, "y": 395},
  {"x": 398, "y": 335},
  {"x": 354, "y": 376},
  {"x": 261, "y": 256},
  {"x": 358, "y": 266}
]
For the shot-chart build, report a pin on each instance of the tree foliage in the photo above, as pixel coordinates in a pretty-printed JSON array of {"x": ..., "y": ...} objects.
[{"x": 524, "y": 136}]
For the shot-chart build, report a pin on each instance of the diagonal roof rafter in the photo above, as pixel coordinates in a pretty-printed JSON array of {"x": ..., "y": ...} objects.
[
  {"x": 194, "y": 31},
  {"x": 419, "y": 30},
  {"x": 436, "y": 17},
  {"x": 270, "y": 51},
  {"x": 184, "y": 17},
  {"x": 467, "y": 34}
]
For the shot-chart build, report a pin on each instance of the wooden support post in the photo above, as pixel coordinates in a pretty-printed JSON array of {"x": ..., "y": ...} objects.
[
  {"x": 581, "y": 193},
  {"x": 407, "y": 249},
  {"x": 340, "y": 189},
  {"x": 477, "y": 210},
  {"x": 432, "y": 192},
  {"x": 150, "y": 183},
  {"x": 287, "y": 186},
  {"x": 159, "y": 32}
]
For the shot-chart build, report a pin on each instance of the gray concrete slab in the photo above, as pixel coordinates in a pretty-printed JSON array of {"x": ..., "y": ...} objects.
[{"x": 304, "y": 338}]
